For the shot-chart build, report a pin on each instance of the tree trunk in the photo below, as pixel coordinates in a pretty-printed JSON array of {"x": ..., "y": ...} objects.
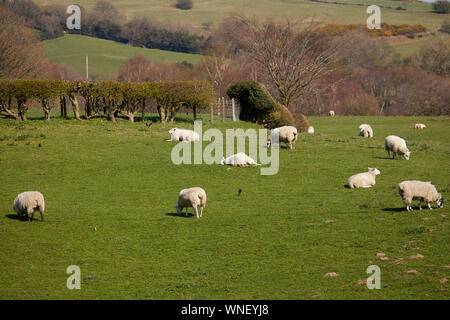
[
  {"x": 74, "y": 101},
  {"x": 194, "y": 109},
  {"x": 162, "y": 114},
  {"x": 22, "y": 108},
  {"x": 63, "y": 106}
]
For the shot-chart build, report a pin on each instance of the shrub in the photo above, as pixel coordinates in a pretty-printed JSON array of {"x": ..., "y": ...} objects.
[
  {"x": 445, "y": 27},
  {"x": 441, "y": 7},
  {"x": 184, "y": 4}
]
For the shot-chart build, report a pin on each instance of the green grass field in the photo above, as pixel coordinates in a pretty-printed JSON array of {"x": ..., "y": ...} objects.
[
  {"x": 110, "y": 189},
  {"x": 215, "y": 11},
  {"x": 105, "y": 56}
]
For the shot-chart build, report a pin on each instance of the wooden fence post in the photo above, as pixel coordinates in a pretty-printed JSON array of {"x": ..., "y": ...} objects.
[
  {"x": 233, "y": 108},
  {"x": 223, "y": 109}
]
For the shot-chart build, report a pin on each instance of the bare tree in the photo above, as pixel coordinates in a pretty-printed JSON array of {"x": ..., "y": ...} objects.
[
  {"x": 291, "y": 55},
  {"x": 21, "y": 53}
]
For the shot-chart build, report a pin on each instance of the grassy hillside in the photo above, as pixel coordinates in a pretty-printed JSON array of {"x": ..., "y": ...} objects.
[
  {"x": 105, "y": 56},
  {"x": 216, "y": 10},
  {"x": 110, "y": 189}
]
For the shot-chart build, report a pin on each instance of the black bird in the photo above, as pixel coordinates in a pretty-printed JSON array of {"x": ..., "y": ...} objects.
[
  {"x": 149, "y": 124},
  {"x": 239, "y": 192},
  {"x": 39, "y": 145}
]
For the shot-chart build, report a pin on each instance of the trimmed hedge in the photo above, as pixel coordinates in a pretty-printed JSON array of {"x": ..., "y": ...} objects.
[{"x": 104, "y": 98}]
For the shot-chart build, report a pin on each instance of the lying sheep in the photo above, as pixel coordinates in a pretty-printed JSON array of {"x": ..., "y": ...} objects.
[
  {"x": 365, "y": 131},
  {"x": 311, "y": 130},
  {"x": 419, "y": 126},
  {"x": 183, "y": 135},
  {"x": 286, "y": 134},
  {"x": 419, "y": 190},
  {"x": 331, "y": 113},
  {"x": 27, "y": 202},
  {"x": 239, "y": 160},
  {"x": 191, "y": 198},
  {"x": 363, "y": 180},
  {"x": 396, "y": 145}
]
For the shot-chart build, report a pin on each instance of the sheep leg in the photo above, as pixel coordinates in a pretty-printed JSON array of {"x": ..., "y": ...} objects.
[
  {"x": 429, "y": 206},
  {"x": 32, "y": 216},
  {"x": 389, "y": 154},
  {"x": 196, "y": 212},
  {"x": 201, "y": 212},
  {"x": 420, "y": 205},
  {"x": 42, "y": 216},
  {"x": 187, "y": 211}
]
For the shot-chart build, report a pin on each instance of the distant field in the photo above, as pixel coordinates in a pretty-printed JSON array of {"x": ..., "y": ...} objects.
[
  {"x": 110, "y": 189},
  {"x": 105, "y": 56},
  {"x": 215, "y": 11}
]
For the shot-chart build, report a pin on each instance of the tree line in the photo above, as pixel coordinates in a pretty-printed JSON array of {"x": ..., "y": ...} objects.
[
  {"x": 107, "y": 99},
  {"x": 105, "y": 21}
]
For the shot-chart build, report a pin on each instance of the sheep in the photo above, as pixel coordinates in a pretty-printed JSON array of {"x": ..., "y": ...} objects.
[
  {"x": 286, "y": 134},
  {"x": 192, "y": 197},
  {"x": 419, "y": 126},
  {"x": 365, "y": 131},
  {"x": 363, "y": 180},
  {"x": 419, "y": 190},
  {"x": 396, "y": 145},
  {"x": 183, "y": 135},
  {"x": 240, "y": 160},
  {"x": 311, "y": 130},
  {"x": 331, "y": 113},
  {"x": 27, "y": 202}
]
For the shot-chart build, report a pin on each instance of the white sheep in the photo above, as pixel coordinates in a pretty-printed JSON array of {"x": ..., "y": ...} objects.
[
  {"x": 27, "y": 202},
  {"x": 183, "y": 135},
  {"x": 397, "y": 145},
  {"x": 331, "y": 113},
  {"x": 365, "y": 131},
  {"x": 239, "y": 160},
  {"x": 286, "y": 134},
  {"x": 311, "y": 130},
  {"x": 419, "y": 190},
  {"x": 191, "y": 198},
  {"x": 363, "y": 180},
  {"x": 419, "y": 126}
]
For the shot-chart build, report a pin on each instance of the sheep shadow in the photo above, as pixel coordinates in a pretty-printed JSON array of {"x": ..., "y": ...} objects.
[
  {"x": 394, "y": 209},
  {"x": 17, "y": 217},
  {"x": 383, "y": 158},
  {"x": 183, "y": 215}
]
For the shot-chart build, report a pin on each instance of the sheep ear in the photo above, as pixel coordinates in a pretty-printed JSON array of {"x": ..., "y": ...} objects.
[{"x": 370, "y": 169}]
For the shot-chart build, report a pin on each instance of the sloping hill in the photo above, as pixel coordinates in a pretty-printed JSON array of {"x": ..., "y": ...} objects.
[
  {"x": 105, "y": 56},
  {"x": 214, "y": 11}
]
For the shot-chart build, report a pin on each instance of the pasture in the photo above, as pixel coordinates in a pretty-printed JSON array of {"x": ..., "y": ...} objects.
[
  {"x": 105, "y": 56},
  {"x": 214, "y": 11},
  {"x": 110, "y": 189}
]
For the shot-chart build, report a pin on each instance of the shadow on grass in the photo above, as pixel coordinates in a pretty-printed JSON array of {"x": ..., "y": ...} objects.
[
  {"x": 394, "y": 209},
  {"x": 183, "y": 215},
  {"x": 383, "y": 158},
  {"x": 17, "y": 217}
]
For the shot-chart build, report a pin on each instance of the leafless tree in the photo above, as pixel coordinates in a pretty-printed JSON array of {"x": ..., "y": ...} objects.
[{"x": 292, "y": 55}]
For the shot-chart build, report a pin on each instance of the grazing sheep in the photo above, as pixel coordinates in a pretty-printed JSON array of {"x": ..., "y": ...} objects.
[
  {"x": 191, "y": 198},
  {"x": 419, "y": 126},
  {"x": 366, "y": 131},
  {"x": 286, "y": 134},
  {"x": 396, "y": 145},
  {"x": 331, "y": 113},
  {"x": 419, "y": 190},
  {"x": 27, "y": 202},
  {"x": 183, "y": 135},
  {"x": 311, "y": 130},
  {"x": 363, "y": 180},
  {"x": 239, "y": 160}
]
